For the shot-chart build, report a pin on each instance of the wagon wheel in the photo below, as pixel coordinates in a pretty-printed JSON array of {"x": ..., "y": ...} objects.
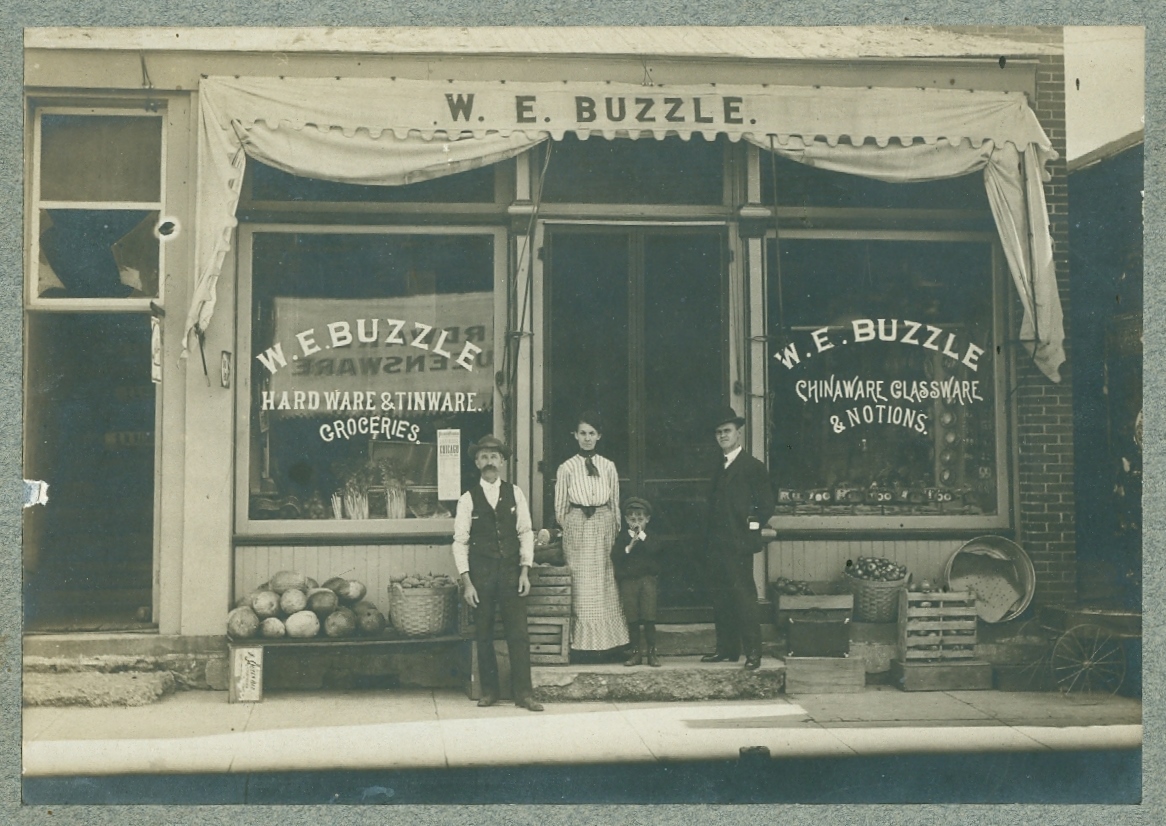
[{"x": 1087, "y": 659}]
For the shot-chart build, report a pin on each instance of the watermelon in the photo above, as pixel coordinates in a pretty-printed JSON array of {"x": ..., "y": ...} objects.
[
  {"x": 302, "y": 624},
  {"x": 311, "y": 583},
  {"x": 272, "y": 627},
  {"x": 323, "y": 601},
  {"x": 352, "y": 592},
  {"x": 364, "y": 605},
  {"x": 242, "y": 624},
  {"x": 370, "y": 622},
  {"x": 265, "y": 604},
  {"x": 340, "y": 623},
  {"x": 292, "y": 601},
  {"x": 336, "y": 584},
  {"x": 286, "y": 580}
]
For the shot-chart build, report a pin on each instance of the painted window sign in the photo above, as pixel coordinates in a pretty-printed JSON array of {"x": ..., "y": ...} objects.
[
  {"x": 365, "y": 348},
  {"x": 884, "y": 379}
]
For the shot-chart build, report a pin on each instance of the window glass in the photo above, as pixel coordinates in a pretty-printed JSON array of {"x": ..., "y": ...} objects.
[
  {"x": 97, "y": 253},
  {"x": 471, "y": 186},
  {"x": 883, "y": 382},
  {"x": 366, "y": 350},
  {"x": 101, "y": 158},
  {"x": 801, "y": 185},
  {"x": 644, "y": 171}
]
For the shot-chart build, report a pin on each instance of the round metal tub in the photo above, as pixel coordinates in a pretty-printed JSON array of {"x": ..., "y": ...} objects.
[{"x": 998, "y": 571}]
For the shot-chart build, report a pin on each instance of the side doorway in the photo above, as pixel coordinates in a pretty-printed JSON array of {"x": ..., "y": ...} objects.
[{"x": 637, "y": 329}]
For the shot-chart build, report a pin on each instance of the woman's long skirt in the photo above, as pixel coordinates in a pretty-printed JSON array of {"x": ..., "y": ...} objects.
[{"x": 597, "y": 621}]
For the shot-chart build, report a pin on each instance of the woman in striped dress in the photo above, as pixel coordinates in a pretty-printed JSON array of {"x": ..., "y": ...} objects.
[{"x": 587, "y": 507}]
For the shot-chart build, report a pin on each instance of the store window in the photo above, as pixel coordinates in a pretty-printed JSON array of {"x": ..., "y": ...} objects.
[
  {"x": 371, "y": 358},
  {"x": 97, "y": 199},
  {"x": 645, "y": 171},
  {"x": 266, "y": 183},
  {"x": 886, "y": 398}
]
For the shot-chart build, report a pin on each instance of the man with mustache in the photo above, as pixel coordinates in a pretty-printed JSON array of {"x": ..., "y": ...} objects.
[{"x": 493, "y": 549}]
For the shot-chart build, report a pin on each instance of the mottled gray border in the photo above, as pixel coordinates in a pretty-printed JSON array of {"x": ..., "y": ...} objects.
[{"x": 16, "y": 14}]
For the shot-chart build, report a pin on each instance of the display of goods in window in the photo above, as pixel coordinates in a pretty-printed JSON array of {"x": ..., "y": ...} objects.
[{"x": 305, "y": 609}]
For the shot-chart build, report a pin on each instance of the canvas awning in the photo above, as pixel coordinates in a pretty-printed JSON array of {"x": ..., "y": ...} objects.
[{"x": 393, "y": 132}]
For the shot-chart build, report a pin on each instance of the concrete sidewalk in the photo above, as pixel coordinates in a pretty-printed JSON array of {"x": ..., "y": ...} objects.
[{"x": 196, "y": 732}]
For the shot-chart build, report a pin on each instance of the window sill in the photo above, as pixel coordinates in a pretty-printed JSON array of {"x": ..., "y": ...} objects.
[
  {"x": 872, "y": 523},
  {"x": 264, "y": 531}
]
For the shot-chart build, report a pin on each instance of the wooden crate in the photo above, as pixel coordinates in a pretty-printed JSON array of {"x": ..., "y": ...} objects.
[
  {"x": 824, "y": 675},
  {"x": 550, "y": 640},
  {"x": 951, "y": 675},
  {"x": 937, "y": 627},
  {"x": 548, "y": 616}
]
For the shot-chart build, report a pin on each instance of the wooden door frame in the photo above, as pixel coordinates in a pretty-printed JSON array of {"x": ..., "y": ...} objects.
[{"x": 733, "y": 326}]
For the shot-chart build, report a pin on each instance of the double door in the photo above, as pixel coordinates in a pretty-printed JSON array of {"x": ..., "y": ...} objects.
[{"x": 636, "y": 327}]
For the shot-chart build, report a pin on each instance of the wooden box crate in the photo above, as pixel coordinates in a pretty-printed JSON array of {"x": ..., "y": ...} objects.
[
  {"x": 824, "y": 675},
  {"x": 550, "y": 640},
  {"x": 937, "y": 627},
  {"x": 946, "y": 675},
  {"x": 548, "y": 616}
]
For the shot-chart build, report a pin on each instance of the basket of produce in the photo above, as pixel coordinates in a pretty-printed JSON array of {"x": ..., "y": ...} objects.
[
  {"x": 876, "y": 583},
  {"x": 548, "y": 548},
  {"x": 422, "y": 606}
]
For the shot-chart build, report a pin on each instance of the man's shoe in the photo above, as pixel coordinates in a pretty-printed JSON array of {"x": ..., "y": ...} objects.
[
  {"x": 719, "y": 658},
  {"x": 635, "y": 659},
  {"x": 653, "y": 660},
  {"x": 753, "y": 663},
  {"x": 487, "y": 700},
  {"x": 529, "y": 704}
]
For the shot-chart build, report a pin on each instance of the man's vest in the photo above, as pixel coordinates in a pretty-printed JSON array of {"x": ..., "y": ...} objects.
[{"x": 494, "y": 533}]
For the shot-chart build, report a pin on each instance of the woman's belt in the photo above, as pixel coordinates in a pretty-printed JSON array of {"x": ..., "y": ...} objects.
[{"x": 588, "y": 510}]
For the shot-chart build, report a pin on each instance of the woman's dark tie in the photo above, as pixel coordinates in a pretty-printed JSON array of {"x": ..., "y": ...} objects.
[{"x": 589, "y": 461}]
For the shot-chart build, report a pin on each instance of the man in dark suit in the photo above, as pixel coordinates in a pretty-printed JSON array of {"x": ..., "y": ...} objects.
[{"x": 740, "y": 504}]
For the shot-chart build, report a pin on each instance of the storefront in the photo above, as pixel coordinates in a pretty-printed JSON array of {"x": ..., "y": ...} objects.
[{"x": 356, "y": 257}]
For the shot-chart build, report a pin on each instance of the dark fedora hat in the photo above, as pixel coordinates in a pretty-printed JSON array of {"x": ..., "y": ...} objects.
[
  {"x": 727, "y": 415},
  {"x": 490, "y": 442}
]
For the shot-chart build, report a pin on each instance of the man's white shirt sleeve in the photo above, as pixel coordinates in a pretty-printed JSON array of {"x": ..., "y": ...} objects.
[{"x": 461, "y": 532}]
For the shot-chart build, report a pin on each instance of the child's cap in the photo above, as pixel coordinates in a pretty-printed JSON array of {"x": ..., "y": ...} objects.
[{"x": 635, "y": 502}]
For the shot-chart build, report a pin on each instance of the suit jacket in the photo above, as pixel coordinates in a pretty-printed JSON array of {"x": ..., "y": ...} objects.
[
  {"x": 739, "y": 493},
  {"x": 642, "y": 560}
]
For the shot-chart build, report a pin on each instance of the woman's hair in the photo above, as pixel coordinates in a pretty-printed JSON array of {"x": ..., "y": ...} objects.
[{"x": 590, "y": 417}]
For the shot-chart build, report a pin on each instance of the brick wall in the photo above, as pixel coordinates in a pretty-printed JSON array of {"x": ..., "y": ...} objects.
[{"x": 1045, "y": 410}]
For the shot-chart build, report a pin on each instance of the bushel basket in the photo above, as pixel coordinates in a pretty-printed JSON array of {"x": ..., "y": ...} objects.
[
  {"x": 876, "y": 601},
  {"x": 422, "y": 612}
]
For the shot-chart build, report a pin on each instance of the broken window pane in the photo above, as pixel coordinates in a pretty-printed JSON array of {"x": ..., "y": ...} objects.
[
  {"x": 101, "y": 158},
  {"x": 98, "y": 253}
]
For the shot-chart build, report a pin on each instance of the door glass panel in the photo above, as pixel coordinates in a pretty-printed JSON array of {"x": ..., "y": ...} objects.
[
  {"x": 682, "y": 353},
  {"x": 635, "y": 326},
  {"x": 589, "y": 342}
]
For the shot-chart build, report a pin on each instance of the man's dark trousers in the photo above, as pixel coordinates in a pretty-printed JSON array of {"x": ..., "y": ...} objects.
[
  {"x": 496, "y": 581},
  {"x": 734, "y": 596}
]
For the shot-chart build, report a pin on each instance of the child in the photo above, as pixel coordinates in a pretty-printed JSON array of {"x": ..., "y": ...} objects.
[{"x": 634, "y": 556}]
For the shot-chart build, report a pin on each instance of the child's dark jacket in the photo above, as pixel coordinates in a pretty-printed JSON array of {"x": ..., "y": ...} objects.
[{"x": 642, "y": 558}]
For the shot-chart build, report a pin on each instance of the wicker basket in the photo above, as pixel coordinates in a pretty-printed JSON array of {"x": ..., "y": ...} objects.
[
  {"x": 422, "y": 612},
  {"x": 876, "y": 601}
]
